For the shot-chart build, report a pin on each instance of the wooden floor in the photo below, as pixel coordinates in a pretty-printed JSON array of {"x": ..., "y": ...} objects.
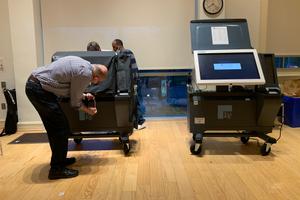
[{"x": 160, "y": 167}]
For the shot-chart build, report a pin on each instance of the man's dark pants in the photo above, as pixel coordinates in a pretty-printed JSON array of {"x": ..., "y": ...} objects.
[
  {"x": 54, "y": 120},
  {"x": 140, "y": 104}
]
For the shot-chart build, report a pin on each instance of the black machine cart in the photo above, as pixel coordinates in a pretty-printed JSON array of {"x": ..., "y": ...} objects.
[
  {"x": 115, "y": 101},
  {"x": 231, "y": 110}
]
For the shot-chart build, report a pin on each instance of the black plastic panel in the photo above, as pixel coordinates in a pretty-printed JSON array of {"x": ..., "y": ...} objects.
[{"x": 237, "y": 30}]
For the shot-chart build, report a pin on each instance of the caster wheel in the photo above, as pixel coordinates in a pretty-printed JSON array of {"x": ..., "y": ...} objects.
[
  {"x": 265, "y": 149},
  {"x": 244, "y": 140},
  {"x": 126, "y": 148},
  {"x": 196, "y": 148},
  {"x": 77, "y": 140}
]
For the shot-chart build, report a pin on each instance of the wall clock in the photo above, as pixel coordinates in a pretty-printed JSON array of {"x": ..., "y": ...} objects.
[{"x": 213, "y": 7}]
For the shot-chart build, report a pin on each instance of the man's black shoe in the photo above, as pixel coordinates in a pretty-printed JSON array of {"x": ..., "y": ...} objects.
[
  {"x": 57, "y": 173},
  {"x": 70, "y": 161}
]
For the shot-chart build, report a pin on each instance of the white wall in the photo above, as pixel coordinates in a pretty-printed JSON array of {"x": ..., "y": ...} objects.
[
  {"x": 38, "y": 32},
  {"x": 6, "y": 55},
  {"x": 157, "y": 31},
  {"x": 263, "y": 28},
  {"x": 24, "y": 46},
  {"x": 284, "y": 27}
]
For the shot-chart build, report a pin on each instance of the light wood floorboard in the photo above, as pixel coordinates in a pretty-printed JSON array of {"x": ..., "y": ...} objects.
[{"x": 160, "y": 167}]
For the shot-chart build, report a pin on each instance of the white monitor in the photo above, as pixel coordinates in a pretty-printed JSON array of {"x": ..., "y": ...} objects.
[{"x": 228, "y": 67}]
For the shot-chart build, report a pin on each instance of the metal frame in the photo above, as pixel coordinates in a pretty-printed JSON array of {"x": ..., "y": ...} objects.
[{"x": 259, "y": 81}]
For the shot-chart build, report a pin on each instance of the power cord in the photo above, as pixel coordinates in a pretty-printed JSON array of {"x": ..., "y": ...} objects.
[
  {"x": 280, "y": 130},
  {"x": 204, "y": 89},
  {"x": 281, "y": 122},
  {"x": 196, "y": 84}
]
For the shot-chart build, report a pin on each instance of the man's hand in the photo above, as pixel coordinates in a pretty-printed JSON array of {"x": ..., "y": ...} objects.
[
  {"x": 89, "y": 96},
  {"x": 89, "y": 110}
]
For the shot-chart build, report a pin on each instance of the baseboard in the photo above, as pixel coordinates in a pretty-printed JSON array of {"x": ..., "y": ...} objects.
[{"x": 30, "y": 126}]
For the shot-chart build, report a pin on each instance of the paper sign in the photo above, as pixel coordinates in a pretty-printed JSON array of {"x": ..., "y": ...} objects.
[{"x": 219, "y": 35}]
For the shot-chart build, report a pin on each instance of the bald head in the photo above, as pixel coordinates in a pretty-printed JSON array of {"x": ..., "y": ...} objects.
[{"x": 99, "y": 73}]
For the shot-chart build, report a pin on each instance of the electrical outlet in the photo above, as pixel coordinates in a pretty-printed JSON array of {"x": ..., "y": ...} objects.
[
  {"x": 3, "y": 84},
  {"x": 1, "y": 64},
  {"x": 3, "y": 106}
]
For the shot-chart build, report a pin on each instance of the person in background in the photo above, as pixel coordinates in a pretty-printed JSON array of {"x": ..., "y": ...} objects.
[
  {"x": 66, "y": 77},
  {"x": 118, "y": 46},
  {"x": 93, "y": 46}
]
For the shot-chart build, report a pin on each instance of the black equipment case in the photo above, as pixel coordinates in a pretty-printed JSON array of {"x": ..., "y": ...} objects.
[
  {"x": 11, "y": 120},
  {"x": 239, "y": 112},
  {"x": 115, "y": 100}
]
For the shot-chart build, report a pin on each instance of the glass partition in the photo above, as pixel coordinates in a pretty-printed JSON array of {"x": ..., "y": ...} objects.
[
  {"x": 164, "y": 92},
  {"x": 287, "y": 61}
]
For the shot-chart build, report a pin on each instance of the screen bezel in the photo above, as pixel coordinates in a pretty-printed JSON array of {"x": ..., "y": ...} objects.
[{"x": 259, "y": 81}]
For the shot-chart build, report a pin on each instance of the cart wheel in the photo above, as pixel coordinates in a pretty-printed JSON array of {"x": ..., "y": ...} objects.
[
  {"x": 126, "y": 148},
  {"x": 77, "y": 140},
  {"x": 196, "y": 148},
  {"x": 265, "y": 149},
  {"x": 245, "y": 139}
]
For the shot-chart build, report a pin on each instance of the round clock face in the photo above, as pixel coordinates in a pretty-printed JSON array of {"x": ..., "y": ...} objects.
[{"x": 212, "y": 7}]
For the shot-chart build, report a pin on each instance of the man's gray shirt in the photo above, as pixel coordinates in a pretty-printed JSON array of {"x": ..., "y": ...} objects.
[{"x": 67, "y": 77}]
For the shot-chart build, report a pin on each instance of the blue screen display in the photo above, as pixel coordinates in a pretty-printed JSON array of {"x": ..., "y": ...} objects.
[
  {"x": 227, "y": 66},
  {"x": 216, "y": 66}
]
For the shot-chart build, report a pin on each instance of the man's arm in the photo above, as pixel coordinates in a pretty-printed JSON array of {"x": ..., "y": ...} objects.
[{"x": 78, "y": 86}]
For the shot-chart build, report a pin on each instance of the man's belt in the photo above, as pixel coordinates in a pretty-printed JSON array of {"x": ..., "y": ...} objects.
[{"x": 33, "y": 79}]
